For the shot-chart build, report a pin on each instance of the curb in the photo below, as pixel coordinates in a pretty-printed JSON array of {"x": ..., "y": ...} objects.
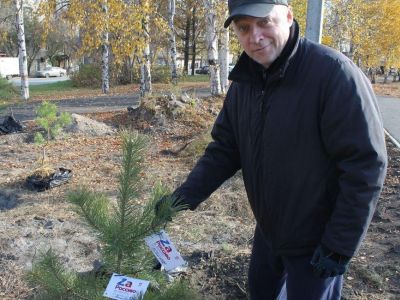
[{"x": 394, "y": 141}]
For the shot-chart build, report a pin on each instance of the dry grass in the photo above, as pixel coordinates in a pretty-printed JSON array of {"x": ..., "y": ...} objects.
[{"x": 388, "y": 89}]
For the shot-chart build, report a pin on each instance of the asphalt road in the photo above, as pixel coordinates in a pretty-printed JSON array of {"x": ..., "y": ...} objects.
[
  {"x": 25, "y": 112},
  {"x": 390, "y": 109}
]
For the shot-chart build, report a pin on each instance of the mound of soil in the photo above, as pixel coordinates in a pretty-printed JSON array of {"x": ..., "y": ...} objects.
[{"x": 85, "y": 125}]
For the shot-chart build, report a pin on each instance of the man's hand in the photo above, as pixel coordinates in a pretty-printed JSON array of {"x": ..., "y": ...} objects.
[
  {"x": 167, "y": 206},
  {"x": 327, "y": 263}
]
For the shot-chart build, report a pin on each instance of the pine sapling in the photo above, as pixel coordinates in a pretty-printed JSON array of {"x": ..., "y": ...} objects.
[
  {"x": 120, "y": 228},
  {"x": 49, "y": 120}
]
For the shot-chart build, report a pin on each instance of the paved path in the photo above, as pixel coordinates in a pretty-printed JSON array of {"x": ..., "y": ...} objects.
[
  {"x": 25, "y": 112},
  {"x": 390, "y": 109}
]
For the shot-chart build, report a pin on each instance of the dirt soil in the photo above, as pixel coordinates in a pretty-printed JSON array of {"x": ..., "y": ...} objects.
[{"x": 215, "y": 239}]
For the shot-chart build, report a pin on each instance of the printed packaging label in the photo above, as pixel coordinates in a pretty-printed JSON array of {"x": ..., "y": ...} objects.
[
  {"x": 125, "y": 288},
  {"x": 164, "y": 250}
]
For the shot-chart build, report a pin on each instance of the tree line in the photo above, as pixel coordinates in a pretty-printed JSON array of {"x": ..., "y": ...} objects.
[{"x": 134, "y": 36}]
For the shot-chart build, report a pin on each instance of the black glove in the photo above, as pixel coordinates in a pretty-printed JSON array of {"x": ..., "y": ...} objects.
[
  {"x": 167, "y": 206},
  {"x": 327, "y": 263}
]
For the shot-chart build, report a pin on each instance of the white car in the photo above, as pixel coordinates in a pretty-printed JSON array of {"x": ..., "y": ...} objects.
[{"x": 51, "y": 72}]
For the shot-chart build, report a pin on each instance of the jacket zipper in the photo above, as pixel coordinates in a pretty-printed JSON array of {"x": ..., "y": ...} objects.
[{"x": 264, "y": 80}]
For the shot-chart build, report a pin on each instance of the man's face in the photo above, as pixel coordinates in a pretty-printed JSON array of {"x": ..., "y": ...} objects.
[{"x": 263, "y": 39}]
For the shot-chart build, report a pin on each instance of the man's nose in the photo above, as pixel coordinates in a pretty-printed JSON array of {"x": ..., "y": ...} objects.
[{"x": 256, "y": 35}]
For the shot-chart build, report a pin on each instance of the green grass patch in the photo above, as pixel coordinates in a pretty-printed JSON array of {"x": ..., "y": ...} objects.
[
  {"x": 7, "y": 90},
  {"x": 195, "y": 78},
  {"x": 8, "y": 94},
  {"x": 51, "y": 87}
]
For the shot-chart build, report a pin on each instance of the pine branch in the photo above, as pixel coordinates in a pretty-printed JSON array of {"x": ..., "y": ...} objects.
[
  {"x": 92, "y": 206},
  {"x": 52, "y": 277}
]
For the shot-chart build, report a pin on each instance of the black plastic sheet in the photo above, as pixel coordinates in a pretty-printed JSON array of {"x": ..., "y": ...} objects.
[
  {"x": 11, "y": 125},
  {"x": 40, "y": 183}
]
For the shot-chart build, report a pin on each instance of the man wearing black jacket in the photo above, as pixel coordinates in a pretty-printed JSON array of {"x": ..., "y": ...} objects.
[{"x": 302, "y": 123}]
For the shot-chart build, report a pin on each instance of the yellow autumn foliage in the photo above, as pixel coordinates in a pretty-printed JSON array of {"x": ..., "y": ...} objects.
[
  {"x": 122, "y": 20},
  {"x": 368, "y": 30}
]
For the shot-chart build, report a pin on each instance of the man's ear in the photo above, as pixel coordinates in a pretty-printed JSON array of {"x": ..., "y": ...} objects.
[{"x": 289, "y": 15}]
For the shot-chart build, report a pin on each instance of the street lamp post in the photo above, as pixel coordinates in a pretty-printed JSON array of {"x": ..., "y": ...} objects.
[{"x": 315, "y": 12}]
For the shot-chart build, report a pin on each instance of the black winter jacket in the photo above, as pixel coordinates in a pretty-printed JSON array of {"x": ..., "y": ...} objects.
[{"x": 308, "y": 136}]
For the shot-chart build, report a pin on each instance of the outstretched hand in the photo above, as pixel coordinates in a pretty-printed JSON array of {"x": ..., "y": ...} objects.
[{"x": 167, "y": 206}]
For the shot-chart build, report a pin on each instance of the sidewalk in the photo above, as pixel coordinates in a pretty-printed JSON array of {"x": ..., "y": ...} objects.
[
  {"x": 390, "y": 109},
  {"x": 25, "y": 112}
]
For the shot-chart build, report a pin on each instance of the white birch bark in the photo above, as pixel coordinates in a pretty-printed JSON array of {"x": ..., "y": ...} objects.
[
  {"x": 23, "y": 61},
  {"x": 105, "y": 73},
  {"x": 172, "y": 40},
  {"x": 224, "y": 59},
  {"x": 212, "y": 47},
  {"x": 145, "y": 82}
]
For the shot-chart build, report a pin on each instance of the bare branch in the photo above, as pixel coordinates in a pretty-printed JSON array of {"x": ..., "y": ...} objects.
[{"x": 3, "y": 20}]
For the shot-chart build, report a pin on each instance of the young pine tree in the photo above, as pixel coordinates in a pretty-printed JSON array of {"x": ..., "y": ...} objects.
[
  {"x": 121, "y": 229},
  {"x": 52, "y": 122}
]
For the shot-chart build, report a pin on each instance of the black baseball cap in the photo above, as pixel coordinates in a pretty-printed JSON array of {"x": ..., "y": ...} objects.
[{"x": 256, "y": 8}]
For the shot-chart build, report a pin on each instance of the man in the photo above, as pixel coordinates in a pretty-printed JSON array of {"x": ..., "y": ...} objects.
[{"x": 302, "y": 123}]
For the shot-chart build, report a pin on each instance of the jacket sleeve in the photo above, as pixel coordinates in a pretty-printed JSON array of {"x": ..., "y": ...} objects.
[
  {"x": 220, "y": 161},
  {"x": 353, "y": 135}
]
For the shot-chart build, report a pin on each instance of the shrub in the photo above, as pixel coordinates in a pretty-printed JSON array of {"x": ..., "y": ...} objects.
[
  {"x": 161, "y": 74},
  {"x": 7, "y": 90},
  {"x": 87, "y": 76},
  {"x": 125, "y": 73}
]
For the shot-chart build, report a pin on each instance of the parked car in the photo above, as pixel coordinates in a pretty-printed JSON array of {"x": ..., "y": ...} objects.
[
  {"x": 203, "y": 70},
  {"x": 51, "y": 72}
]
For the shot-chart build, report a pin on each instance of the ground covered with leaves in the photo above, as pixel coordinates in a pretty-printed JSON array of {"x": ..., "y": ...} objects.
[{"x": 215, "y": 239}]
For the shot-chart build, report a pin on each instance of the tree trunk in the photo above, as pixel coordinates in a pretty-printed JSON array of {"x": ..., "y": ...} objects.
[
  {"x": 186, "y": 45},
  {"x": 145, "y": 81},
  {"x": 23, "y": 62},
  {"x": 105, "y": 76},
  {"x": 193, "y": 39},
  {"x": 385, "y": 77},
  {"x": 224, "y": 59},
  {"x": 212, "y": 47},
  {"x": 172, "y": 40}
]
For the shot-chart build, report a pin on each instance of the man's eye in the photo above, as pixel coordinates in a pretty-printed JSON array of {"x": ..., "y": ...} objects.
[
  {"x": 265, "y": 22},
  {"x": 242, "y": 28}
]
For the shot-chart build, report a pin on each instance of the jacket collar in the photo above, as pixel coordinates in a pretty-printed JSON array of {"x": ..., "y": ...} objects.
[{"x": 247, "y": 69}]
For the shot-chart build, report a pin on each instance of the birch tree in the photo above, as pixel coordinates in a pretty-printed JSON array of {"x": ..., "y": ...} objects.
[
  {"x": 119, "y": 29},
  {"x": 224, "y": 59},
  {"x": 224, "y": 51},
  {"x": 23, "y": 61},
  {"x": 212, "y": 47},
  {"x": 171, "y": 14},
  {"x": 105, "y": 74},
  {"x": 145, "y": 81}
]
